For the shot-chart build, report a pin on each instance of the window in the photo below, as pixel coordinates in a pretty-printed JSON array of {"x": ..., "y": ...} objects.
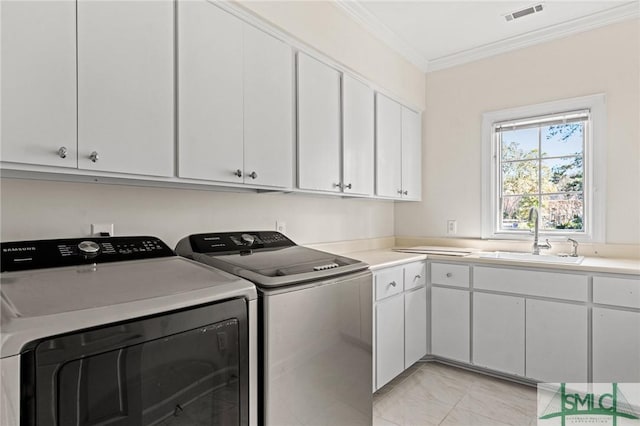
[{"x": 545, "y": 156}]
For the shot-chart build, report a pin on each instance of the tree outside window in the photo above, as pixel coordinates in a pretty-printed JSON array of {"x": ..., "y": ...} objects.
[{"x": 541, "y": 164}]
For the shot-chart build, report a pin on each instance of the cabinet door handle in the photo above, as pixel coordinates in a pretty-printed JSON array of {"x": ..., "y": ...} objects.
[
  {"x": 347, "y": 186},
  {"x": 400, "y": 191},
  {"x": 253, "y": 175},
  {"x": 405, "y": 192},
  {"x": 238, "y": 173},
  {"x": 94, "y": 157},
  {"x": 62, "y": 152},
  {"x": 337, "y": 185},
  {"x": 417, "y": 277},
  {"x": 392, "y": 284},
  {"x": 449, "y": 274}
]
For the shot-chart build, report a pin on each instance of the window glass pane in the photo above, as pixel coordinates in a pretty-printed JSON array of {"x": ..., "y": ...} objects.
[
  {"x": 562, "y": 211},
  {"x": 520, "y": 177},
  {"x": 561, "y": 140},
  {"x": 519, "y": 144},
  {"x": 515, "y": 212},
  {"x": 562, "y": 174}
]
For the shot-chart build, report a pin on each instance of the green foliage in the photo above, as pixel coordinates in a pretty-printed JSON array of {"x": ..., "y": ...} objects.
[{"x": 564, "y": 130}]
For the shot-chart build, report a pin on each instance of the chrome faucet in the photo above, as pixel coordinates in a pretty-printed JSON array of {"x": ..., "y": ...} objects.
[
  {"x": 535, "y": 217},
  {"x": 574, "y": 247}
]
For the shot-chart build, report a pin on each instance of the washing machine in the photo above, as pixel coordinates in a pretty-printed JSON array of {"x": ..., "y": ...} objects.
[
  {"x": 121, "y": 331},
  {"x": 315, "y": 325}
]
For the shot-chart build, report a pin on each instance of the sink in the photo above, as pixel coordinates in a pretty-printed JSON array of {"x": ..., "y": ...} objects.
[{"x": 528, "y": 257}]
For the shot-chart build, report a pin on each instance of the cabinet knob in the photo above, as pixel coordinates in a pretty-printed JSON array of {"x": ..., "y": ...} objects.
[
  {"x": 347, "y": 186},
  {"x": 405, "y": 192},
  {"x": 400, "y": 191},
  {"x": 417, "y": 277},
  {"x": 449, "y": 274},
  {"x": 62, "y": 152},
  {"x": 238, "y": 173},
  {"x": 392, "y": 284},
  {"x": 337, "y": 185},
  {"x": 253, "y": 175},
  {"x": 94, "y": 156}
]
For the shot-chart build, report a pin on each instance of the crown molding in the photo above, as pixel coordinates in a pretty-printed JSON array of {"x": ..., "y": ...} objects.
[
  {"x": 610, "y": 16},
  {"x": 368, "y": 20}
]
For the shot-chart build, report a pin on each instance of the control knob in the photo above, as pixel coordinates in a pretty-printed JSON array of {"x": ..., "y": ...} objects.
[
  {"x": 89, "y": 248},
  {"x": 248, "y": 239}
]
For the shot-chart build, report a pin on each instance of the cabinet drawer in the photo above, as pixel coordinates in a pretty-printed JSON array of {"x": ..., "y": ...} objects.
[
  {"x": 447, "y": 274},
  {"x": 388, "y": 282},
  {"x": 415, "y": 275},
  {"x": 535, "y": 283},
  {"x": 617, "y": 291}
]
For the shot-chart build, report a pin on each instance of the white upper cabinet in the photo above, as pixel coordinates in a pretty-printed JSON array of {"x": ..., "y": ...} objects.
[
  {"x": 318, "y": 125},
  {"x": 38, "y": 83},
  {"x": 268, "y": 110},
  {"x": 358, "y": 137},
  {"x": 125, "y": 86},
  {"x": 210, "y": 127},
  {"x": 388, "y": 147},
  {"x": 235, "y": 101},
  {"x": 411, "y": 155},
  {"x": 398, "y": 150}
]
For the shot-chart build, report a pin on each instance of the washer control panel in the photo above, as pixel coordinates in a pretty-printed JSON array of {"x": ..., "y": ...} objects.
[
  {"x": 238, "y": 241},
  {"x": 37, "y": 254}
]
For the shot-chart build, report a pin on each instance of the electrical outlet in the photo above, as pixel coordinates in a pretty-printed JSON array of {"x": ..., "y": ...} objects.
[
  {"x": 452, "y": 227},
  {"x": 99, "y": 228},
  {"x": 281, "y": 226}
]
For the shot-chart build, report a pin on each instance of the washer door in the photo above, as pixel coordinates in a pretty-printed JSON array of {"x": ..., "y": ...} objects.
[{"x": 156, "y": 371}]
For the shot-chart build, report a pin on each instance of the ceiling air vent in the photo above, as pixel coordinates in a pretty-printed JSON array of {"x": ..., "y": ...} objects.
[{"x": 523, "y": 12}]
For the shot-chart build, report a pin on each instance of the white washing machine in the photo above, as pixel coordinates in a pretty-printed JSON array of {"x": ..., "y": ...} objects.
[
  {"x": 314, "y": 333},
  {"x": 121, "y": 331}
]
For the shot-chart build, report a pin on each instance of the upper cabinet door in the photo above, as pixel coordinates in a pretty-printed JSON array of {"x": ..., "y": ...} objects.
[
  {"x": 388, "y": 147},
  {"x": 210, "y": 134},
  {"x": 318, "y": 125},
  {"x": 357, "y": 137},
  {"x": 125, "y": 86},
  {"x": 38, "y": 82},
  {"x": 268, "y": 110},
  {"x": 411, "y": 155}
]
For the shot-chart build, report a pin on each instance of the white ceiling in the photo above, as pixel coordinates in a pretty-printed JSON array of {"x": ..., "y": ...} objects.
[{"x": 438, "y": 34}]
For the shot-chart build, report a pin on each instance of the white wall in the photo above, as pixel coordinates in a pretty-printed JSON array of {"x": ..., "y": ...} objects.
[
  {"x": 605, "y": 60},
  {"x": 46, "y": 209},
  {"x": 40, "y": 209}
]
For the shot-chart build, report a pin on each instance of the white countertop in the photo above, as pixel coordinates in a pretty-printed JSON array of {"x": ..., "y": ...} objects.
[{"x": 385, "y": 258}]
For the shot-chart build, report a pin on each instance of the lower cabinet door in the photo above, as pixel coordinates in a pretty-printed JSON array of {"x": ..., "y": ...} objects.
[
  {"x": 450, "y": 323},
  {"x": 415, "y": 326},
  {"x": 498, "y": 332},
  {"x": 389, "y": 339},
  {"x": 616, "y": 346},
  {"x": 556, "y": 342}
]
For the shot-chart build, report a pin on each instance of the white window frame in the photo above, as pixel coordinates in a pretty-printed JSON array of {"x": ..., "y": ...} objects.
[{"x": 594, "y": 166}]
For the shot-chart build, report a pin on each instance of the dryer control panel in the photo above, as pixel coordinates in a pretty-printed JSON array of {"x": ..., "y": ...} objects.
[
  {"x": 37, "y": 254},
  {"x": 229, "y": 242}
]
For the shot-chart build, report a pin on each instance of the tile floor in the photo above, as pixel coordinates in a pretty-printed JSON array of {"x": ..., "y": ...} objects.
[{"x": 429, "y": 393}]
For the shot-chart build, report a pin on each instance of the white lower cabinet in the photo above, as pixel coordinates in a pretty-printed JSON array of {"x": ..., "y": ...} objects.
[
  {"x": 535, "y": 323},
  {"x": 450, "y": 323},
  {"x": 556, "y": 342},
  {"x": 400, "y": 320},
  {"x": 415, "y": 325},
  {"x": 616, "y": 345},
  {"x": 389, "y": 339},
  {"x": 498, "y": 332}
]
